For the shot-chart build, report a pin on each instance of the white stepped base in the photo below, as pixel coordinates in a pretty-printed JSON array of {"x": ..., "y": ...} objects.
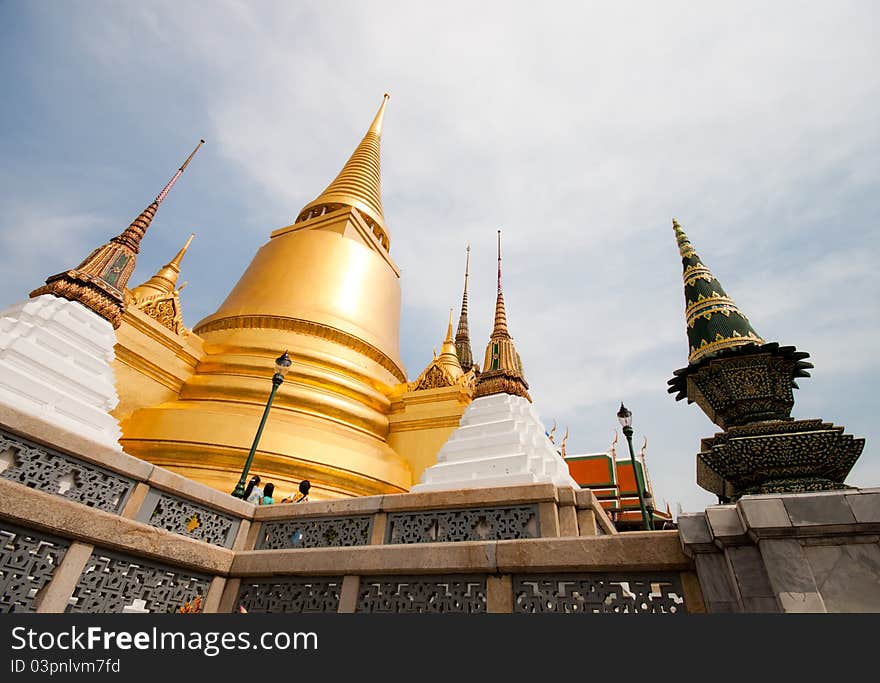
[
  {"x": 500, "y": 441},
  {"x": 55, "y": 366}
]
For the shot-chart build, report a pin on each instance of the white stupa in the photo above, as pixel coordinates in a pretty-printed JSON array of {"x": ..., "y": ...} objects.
[
  {"x": 57, "y": 348},
  {"x": 500, "y": 440}
]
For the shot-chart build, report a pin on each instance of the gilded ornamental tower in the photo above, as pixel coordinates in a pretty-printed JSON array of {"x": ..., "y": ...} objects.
[{"x": 327, "y": 290}]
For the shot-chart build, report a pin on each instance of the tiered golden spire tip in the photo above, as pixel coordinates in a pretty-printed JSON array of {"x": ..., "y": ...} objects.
[{"x": 358, "y": 184}]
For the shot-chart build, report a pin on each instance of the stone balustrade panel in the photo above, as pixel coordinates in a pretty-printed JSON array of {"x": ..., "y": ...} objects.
[
  {"x": 598, "y": 594},
  {"x": 298, "y": 595},
  {"x": 469, "y": 524},
  {"x": 187, "y": 518},
  {"x": 315, "y": 532},
  {"x": 114, "y": 582},
  {"x": 422, "y": 594},
  {"x": 28, "y": 560},
  {"x": 48, "y": 470}
]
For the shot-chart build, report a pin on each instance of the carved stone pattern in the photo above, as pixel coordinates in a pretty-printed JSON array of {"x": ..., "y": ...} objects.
[
  {"x": 422, "y": 594},
  {"x": 741, "y": 389},
  {"x": 27, "y": 563},
  {"x": 111, "y": 582},
  {"x": 598, "y": 594},
  {"x": 174, "y": 514},
  {"x": 801, "y": 456},
  {"x": 47, "y": 470},
  {"x": 164, "y": 312},
  {"x": 434, "y": 378},
  {"x": 320, "y": 594},
  {"x": 91, "y": 295},
  {"x": 472, "y": 524},
  {"x": 316, "y": 532}
]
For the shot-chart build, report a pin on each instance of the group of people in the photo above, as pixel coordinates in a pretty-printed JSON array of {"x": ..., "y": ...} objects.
[{"x": 264, "y": 495}]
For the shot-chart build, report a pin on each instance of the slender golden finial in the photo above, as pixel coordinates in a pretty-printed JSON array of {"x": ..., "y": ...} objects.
[
  {"x": 163, "y": 283},
  {"x": 376, "y": 126},
  {"x": 164, "y": 193},
  {"x": 358, "y": 184},
  {"x": 192, "y": 154},
  {"x": 499, "y": 260},
  {"x": 175, "y": 262}
]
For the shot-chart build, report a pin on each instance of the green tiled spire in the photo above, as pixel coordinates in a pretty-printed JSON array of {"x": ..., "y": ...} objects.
[{"x": 714, "y": 322}]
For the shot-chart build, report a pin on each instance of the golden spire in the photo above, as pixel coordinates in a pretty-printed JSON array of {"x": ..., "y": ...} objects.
[
  {"x": 500, "y": 328},
  {"x": 164, "y": 281},
  {"x": 158, "y": 297},
  {"x": 462, "y": 336},
  {"x": 444, "y": 370},
  {"x": 502, "y": 371},
  {"x": 448, "y": 358},
  {"x": 99, "y": 281},
  {"x": 358, "y": 183}
]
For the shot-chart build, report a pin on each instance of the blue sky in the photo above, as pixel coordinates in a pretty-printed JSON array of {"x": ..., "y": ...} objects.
[{"x": 580, "y": 130}]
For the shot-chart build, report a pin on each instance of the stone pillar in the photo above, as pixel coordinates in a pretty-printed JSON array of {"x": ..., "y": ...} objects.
[
  {"x": 56, "y": 594},
  {"x": 807, "y": 552}
]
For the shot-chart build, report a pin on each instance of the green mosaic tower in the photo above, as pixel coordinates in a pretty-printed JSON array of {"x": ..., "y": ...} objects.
[{"x": 745, "y": 386}]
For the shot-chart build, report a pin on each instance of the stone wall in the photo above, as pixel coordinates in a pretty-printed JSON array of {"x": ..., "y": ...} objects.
[
  {"x": 810, "y": 552},
  {"x": 86, "y": 530}
]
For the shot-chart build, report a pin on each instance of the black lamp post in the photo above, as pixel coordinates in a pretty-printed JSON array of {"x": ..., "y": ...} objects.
[
  {"x": 282, "y": 365},
  {"x": 625, "y": 417}
]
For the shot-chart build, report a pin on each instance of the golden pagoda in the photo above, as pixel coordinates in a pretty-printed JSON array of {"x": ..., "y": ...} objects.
[{"x": 327, "y": 290}]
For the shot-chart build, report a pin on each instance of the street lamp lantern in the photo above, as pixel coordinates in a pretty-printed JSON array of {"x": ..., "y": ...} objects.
[
  {"x": 625, "y": 417},
  {"x": 282, "y": 365}
]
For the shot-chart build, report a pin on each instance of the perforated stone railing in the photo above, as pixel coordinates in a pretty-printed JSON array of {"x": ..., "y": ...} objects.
[
  {"x": 113, "y": 582},
  {"x": 312, "y": 595},
  {"x": 316, "y": 532},
  {"x": 187, "y": 518},
  {"x": 47, "y": 470},
  {"x": 28, "y": 560},
  {"x": 472, "y": 524},
  {"x": 422, "y": 594},
  {"x": 598, "y": 594}
]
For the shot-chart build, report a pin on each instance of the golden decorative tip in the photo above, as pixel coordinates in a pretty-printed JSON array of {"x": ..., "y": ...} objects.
[
  {"x": 376, "y": 126},
  {"x": 192, "y": 154},
  {"x": 175, "y": 262},
  {"x": 358, "y": 183}
]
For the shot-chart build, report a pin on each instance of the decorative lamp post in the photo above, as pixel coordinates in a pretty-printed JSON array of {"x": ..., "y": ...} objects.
[
  {"x": 282, "y": 365},
  {"x": 625, "y": 417}
]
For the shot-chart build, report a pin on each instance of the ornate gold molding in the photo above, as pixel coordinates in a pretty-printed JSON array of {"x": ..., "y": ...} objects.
[{"x": 307, "y": 327}]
